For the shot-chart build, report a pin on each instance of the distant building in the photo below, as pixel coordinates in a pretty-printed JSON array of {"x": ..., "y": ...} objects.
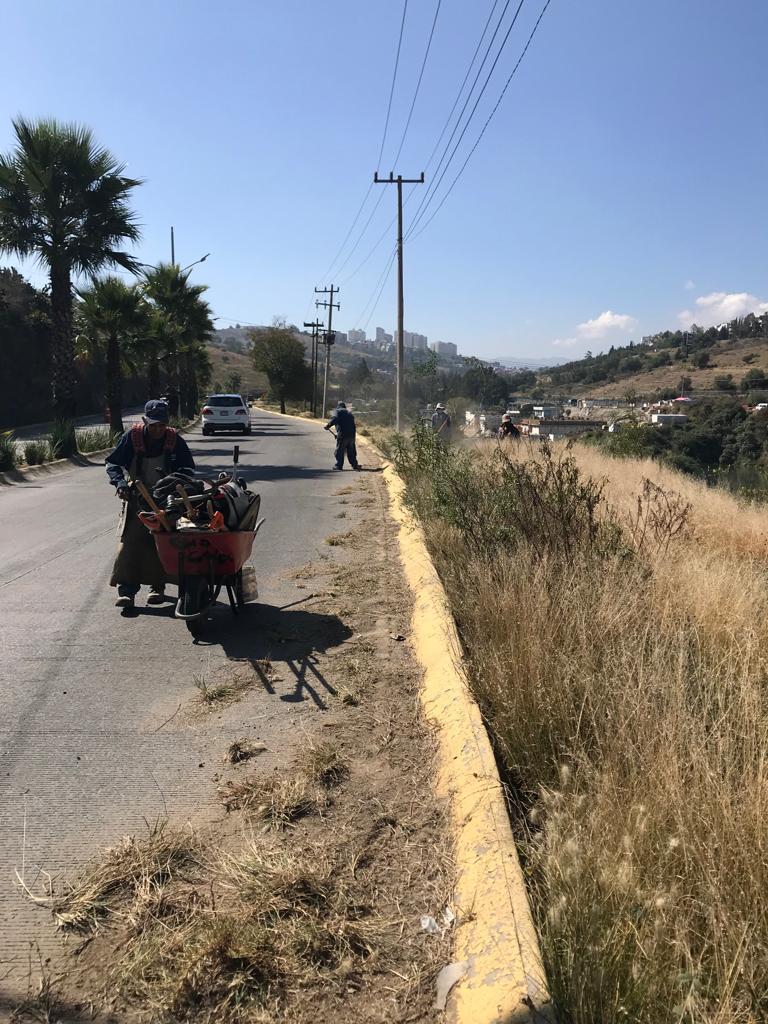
[
  {"x": 554, "y": 429},
  {"x": 445, "y": 348},
  {"x": 382, "y": 338},
  {"x": 356, "y": 337},
  {"x": 545, "y": 412},
  {"x": 669, "y": 419},
  {"x": 413, "y": 341}
]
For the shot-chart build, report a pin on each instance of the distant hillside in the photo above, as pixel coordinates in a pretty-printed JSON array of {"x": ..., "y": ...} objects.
[
  {"x": 225, "y": 363},
  {"x": 730, "y": 357}
]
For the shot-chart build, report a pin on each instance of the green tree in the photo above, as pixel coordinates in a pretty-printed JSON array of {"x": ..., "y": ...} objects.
[
  {"x": 700, "y": 360},
  {"x": 359, "y": 375},
  {"x": 188, "y": 325},
  {"x": 277, "y": 352},
  {"x": 725, "y": 382},
  {"x": 234, "y": 382},
  {"x": 65, "y": 201},
  {"x": 111, "y": 314},
  {"x": 753, "y": 380}
]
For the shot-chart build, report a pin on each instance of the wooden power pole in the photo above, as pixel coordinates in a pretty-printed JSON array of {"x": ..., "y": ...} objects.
[
  {"x": 315, "y": 325},
  {"x": 328, "y": 340},
  {"x": 399, "y": 181}
]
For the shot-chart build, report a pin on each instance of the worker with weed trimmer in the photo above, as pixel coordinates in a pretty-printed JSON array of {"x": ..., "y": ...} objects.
[
  {"x": 147, "y": 453},
  {"x": 345, "y": 434}
]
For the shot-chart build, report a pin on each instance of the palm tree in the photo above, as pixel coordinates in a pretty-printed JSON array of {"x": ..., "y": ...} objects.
[
  {"x": 169, "y": 289},
  {"x": 64, "y": 201},
  {"x": 111, "y": 314}
]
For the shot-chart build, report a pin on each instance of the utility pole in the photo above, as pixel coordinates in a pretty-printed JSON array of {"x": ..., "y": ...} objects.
[
  {"x": 399, "y": 181},
  {"x": 173, "y": 247},
  {"x": 329, "y": 339},
  {"x": 315, "y": 325}
]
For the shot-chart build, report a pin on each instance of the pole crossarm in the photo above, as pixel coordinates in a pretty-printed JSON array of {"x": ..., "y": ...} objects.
[{"x": 393, "y": 179}]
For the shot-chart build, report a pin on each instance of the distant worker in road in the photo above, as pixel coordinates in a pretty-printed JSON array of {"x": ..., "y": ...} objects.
[
  {"x": 508, "y": 428},
  {"x": 344, "y": 422},
  {"x": 441, "y": 422},
  {"x": 147, "y": 452}
]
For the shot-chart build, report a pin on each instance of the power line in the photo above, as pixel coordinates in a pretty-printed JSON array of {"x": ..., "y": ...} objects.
[
  {"x": 360, "y": 237},
  {"x": 392, "y": 88},
  {"x": 423, "y": 207},
  {"x": 467, "y": 101},
  {"x": 378, "y": 288},
  {"x": 381, "y": 150},
  {"x": 488, "y": 121},
  {"x": 378, "y": 242},
  {"x": 346, "y": 237},
  {"x": 418, "y": 83},
  {"x": 381, "y": 290},
  {"x": 461, "y": 88}
]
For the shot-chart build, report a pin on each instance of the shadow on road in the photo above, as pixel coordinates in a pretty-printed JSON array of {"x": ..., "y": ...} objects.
[
  {"x": 256, "y": 473},
  {"x": 284, "y": 636}
]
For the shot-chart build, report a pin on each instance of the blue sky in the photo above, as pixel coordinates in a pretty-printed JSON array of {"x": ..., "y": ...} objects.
[{"x": 620, "y": 188}]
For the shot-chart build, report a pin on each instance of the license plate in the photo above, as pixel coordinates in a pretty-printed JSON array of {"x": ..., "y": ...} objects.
[{"x": 223, "y": 414}]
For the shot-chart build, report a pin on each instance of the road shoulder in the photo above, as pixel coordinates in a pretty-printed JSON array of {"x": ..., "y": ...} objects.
[{"x": 344, "y": 841}]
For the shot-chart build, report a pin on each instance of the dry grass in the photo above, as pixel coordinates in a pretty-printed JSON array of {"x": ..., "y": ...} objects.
[
  {"x": 230, "y": 684},
  {"x": 338, "y": 539},
  {"x": 628, "y": 699},
  {"x": 243, "y": 750},
  {"x": 129, "y": 872},
  {"x": 279, "y": 800},
  {"x": 283, "y": 798}
]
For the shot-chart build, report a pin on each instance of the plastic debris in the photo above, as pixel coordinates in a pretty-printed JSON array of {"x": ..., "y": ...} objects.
[
  {"x": 448, "y": 917},
  {"x": 430, "y": 925},
  {"x": 446, "y": 979}
]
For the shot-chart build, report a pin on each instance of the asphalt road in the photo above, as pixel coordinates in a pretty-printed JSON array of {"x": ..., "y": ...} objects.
[{"x": 95, "y": 739}]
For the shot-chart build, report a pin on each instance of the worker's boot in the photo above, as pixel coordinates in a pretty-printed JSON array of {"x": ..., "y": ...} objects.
[
  {"x": 125, "y": 597},
  {"x": 156, "y": 595}
]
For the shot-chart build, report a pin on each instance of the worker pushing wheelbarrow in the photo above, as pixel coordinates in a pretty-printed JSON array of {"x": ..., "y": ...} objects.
[{"x": 196, "y": 533}]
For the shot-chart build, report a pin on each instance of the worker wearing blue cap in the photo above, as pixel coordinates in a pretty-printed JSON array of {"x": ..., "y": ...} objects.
[{"x": 147, "y": 452}]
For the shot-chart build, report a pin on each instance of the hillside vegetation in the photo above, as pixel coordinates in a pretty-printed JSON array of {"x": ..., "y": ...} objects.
[
  {"x": 707, "y": 356},
  {"x": 615, "y": 620}
]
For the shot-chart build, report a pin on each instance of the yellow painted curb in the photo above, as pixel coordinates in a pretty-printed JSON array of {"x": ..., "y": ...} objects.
[{"x": 504, "y": 982}]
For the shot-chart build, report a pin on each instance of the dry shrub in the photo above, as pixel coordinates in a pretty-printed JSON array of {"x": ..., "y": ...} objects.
[{"x": 626, "y": 690}]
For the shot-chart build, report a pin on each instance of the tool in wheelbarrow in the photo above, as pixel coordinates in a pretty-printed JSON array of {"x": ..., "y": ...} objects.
[{"x": 208, "y": 540}]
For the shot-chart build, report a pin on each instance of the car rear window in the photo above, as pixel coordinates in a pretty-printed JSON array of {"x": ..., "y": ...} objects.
[{"x": 228, "y": 401}]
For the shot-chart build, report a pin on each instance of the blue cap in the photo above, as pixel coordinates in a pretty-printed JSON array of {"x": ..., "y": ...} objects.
[{"x": 155, "y": 411}]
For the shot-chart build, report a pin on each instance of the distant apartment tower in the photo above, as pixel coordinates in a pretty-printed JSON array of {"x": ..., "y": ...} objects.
[
  {"x": 382, "y": 338},
  {"x": 356, "y": 337},
  {"x": 445, "y": 348},
  {"x": 413, "y": 341}
]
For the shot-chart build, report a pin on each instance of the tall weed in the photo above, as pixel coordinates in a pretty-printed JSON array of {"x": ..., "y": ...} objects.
[{"x": 616, "y": 631}]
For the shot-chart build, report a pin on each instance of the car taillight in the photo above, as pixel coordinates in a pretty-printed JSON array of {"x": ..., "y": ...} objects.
[
  {"x": 240, "y": 412},
  {"x": 207, "y": 410}
]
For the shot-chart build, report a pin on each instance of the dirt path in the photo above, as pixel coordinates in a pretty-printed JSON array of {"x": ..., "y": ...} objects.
[{"x": 298, "y": 896}]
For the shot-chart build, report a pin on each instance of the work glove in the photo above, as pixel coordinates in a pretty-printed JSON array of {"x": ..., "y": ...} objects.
[{"x": 123, "y": 491}]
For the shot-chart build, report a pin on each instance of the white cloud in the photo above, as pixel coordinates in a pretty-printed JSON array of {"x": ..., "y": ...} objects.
[
  {"x": 718, "y": 307},
  {"x": 689, "y": 285},
  {"x": 605, "y": 323},
  {"x": 565, "y": 342}
]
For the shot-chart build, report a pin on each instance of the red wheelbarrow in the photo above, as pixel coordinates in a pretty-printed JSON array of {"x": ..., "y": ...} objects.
[{"x": 203, "y": 562}]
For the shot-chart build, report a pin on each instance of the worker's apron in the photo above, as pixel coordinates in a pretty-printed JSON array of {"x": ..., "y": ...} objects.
[{"x": 137, "y": 562}]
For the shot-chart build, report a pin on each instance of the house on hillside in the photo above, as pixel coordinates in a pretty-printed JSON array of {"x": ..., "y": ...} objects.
[{"x": 556, "y": 429}]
